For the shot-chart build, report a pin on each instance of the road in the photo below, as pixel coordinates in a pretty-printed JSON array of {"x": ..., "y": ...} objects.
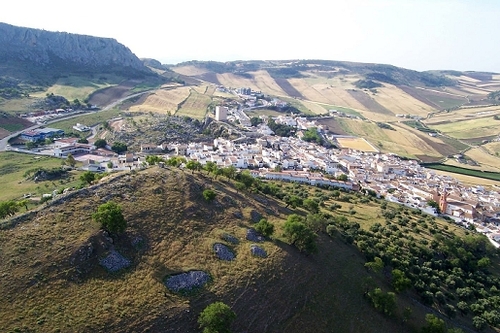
[{"x": 5, "y": 141}]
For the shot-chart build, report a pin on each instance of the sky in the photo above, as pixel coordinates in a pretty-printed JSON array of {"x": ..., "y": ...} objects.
[{"x": 415, "y": 34}]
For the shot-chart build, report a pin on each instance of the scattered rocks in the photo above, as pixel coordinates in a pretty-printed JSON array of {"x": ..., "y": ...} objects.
[
  {"x": 257, "y": 251},
  {"x": 187, "y": 281},
  {"x": 230, "y": 238},
  {"x": 223, "y": 252},
  {"x": 114, "y": 261},
  {"x": 255, "y": 216},
  {"x": 254, "y": 236},
  {"x": 83, "y": 253}
]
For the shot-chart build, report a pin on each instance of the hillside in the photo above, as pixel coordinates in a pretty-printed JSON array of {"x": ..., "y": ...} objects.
[
  {"x": 52, "y": 275},
  {"x": 33, "y": 51}
]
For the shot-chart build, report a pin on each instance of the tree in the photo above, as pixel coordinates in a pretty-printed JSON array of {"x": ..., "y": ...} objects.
[
  {"x": 110, "y": 216},
  {"x": 433, "y": 324},
  {"x": 216, "y": 318},
  {"x": 246, "y": 178},
  {"x": 385, "y": 302},
  {"x": 8, "y": 208},
  {"x": 254, "y": 121},
  {"x": 479, "y": 323},
  {"x": 193, "y": 165},
  {"x": 87, "y": 177},
  {"x": 30, "y": 145},
  {"x": 83, "y": 140},
  {"x": 209, "y": 195},
  {"x": 229, "y": 172},
  {"x": 377, "y": 265},
  {"x": 293, "y": 201},
  {"x": 298, "y": 234},
  {"x": 110, "y": 165},
  {"x": 119, "y": 147},
  {"x": 311, "y": 205},
  {"x": 264, "y": 227},
  {"x": 24, "y": 203},
  {"x": 71, "y": 160},
  {"x": 399, "y": 281},
  {"x": 343, "y": 177},
  {"x": 100, "y": 143}
]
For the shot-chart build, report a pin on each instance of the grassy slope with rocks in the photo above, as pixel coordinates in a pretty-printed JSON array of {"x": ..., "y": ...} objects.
[{"x": 52, "y": 280}]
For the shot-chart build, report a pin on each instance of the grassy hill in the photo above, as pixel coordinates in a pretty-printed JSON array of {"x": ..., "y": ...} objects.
[{"x": 52, "y": 279}]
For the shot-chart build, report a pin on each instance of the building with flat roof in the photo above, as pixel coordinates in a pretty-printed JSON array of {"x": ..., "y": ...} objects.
[{"x": 39, "y": 134}]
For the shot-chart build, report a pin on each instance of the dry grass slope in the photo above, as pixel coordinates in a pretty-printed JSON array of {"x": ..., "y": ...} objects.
[{"x": 173, "y": 230}]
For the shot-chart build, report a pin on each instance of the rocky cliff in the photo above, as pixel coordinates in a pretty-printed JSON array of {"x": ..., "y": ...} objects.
[{"x": 48, "y": 49}]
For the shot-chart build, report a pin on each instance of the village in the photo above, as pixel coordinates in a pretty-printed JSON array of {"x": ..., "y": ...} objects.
[{"x": 291, "y": 159}]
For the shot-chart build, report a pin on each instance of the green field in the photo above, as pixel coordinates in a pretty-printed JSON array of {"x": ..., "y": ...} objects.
[
  {"x": 14, "y": 165},
  {"x": 12, "y": 127},
  {"x": 88, "y": 119},
  {"x": 464, "y": 171},
  {"x": 77, "y": 87}
]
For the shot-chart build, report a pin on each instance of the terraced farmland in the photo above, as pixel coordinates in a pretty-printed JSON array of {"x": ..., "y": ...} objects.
[
  {"x": 163, "y": 101},
  {"x": 195, "y": 106}
]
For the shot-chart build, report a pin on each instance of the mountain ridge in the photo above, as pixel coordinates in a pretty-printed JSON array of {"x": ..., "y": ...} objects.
[{"x": 28, "y": 47}]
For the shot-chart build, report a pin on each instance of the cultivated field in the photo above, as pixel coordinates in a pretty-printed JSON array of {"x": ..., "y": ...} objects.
[
  {"x": 321, "y": 91},
  {"x": 403, "y": 141},
  {"x": 463, "y": 114},
  {"x": 267, "y": 84},
  {"x": 376, "y": 111},
  {"x": 493, "y": 148},
  {"x": 470, "y": 129},
  {"x": 236, "y": 81},
  {"x": 399, "y": 102},
  {"x": 75, "y": 87},
  {"x": 189, "y": 70},
  {"x": 163, "y": 101},
  {"x": 487, "y": 161},
  {"x": 10, "y": 123},
  {"x": 195, "y": 106},
  {"x": 357, "y": 144},
  {"x": 17, "y": 106}
]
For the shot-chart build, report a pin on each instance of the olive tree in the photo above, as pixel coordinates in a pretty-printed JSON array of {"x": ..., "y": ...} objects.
[{"x": 110, "y": 216}]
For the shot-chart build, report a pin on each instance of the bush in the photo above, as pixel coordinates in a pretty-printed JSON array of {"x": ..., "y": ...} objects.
[
  {"x": 264, "y": 227},
  {"x": 110, "y": 216},
  {"x": 216, "y": 317},
  {"x": 209, "y": 195}
]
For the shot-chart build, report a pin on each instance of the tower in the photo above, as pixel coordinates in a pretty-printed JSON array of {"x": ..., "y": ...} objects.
[
  {"x": 220, "y": 113},
  {"x": 442, "y": 202}
]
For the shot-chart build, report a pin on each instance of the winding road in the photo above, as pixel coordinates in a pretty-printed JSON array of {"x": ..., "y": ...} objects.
[{"x": 5, "y": 141}]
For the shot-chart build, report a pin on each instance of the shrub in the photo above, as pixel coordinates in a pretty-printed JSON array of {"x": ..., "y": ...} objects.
[
  {"x": 216, "y": 317},
  {"x": 110, "y": 216},
  {"x": 209, "y": 195},
  {"x": 264, "y": 227}
]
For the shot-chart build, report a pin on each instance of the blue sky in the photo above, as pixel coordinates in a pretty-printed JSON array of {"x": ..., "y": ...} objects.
[{"x": 415, "y": 34}]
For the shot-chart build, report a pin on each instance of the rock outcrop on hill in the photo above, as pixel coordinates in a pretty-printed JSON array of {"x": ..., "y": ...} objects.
[{"x": 55, "y": 49}]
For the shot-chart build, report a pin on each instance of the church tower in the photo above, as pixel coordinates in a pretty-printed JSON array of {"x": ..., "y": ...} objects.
[{"x": 442, "y": 202}]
